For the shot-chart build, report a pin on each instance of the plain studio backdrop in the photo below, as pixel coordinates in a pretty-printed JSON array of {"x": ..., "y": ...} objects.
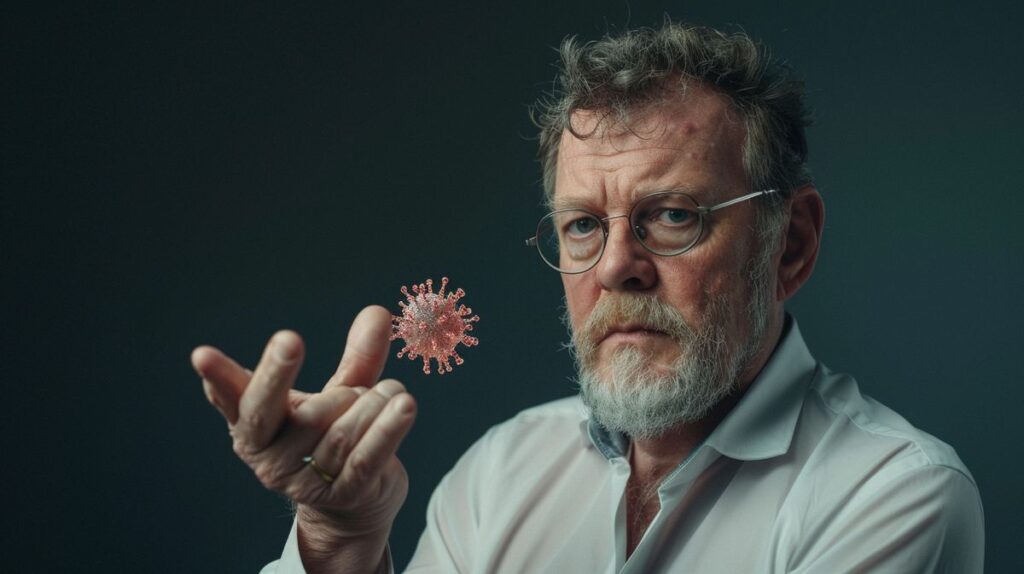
[{"x": 183, "y": 174}]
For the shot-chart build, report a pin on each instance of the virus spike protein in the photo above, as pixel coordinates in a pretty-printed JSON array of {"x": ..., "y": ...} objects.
[{"x": 431, "y": 325}]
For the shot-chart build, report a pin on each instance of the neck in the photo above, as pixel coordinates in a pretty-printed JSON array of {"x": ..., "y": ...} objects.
[{"x": 653, "y": 458}]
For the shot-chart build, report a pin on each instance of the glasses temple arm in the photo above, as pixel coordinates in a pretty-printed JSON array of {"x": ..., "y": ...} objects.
[{"x": 736, "y": 200}]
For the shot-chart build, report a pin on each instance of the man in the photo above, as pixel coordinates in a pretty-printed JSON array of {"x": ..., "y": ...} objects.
[{"x": 705, "y": 437}]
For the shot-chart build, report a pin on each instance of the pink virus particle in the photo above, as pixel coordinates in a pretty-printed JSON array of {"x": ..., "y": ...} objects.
[{"x": 432, "y": 324}]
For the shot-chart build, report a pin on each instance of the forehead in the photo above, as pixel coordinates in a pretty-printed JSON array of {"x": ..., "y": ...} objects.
[{"x": 691, "y": 141}]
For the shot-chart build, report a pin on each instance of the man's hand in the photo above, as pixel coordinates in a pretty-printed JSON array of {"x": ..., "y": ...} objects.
[{"x": 347, "y": 500}]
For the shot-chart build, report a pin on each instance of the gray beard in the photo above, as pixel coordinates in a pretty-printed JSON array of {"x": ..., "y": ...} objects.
[{"x": 630, "y": 396}]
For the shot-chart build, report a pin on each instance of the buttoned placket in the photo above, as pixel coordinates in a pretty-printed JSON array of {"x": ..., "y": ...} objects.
[
  {"x": 673, "y": 489},
  {"x": 671, "y": 492}
]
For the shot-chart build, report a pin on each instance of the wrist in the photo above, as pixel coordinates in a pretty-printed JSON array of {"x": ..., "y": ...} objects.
[
  {"x": 334, "y": 526},
  {"x": 331, "y": 543}
]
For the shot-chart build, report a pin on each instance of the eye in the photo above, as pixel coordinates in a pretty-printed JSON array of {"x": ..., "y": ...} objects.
[
  {"x": 676, "y": 215},
  {"x": 672, "y": 217},
  {"x": 581, "y": 226}
]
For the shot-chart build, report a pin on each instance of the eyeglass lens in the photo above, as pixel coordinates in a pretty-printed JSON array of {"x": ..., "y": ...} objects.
[{"x": 573, "y": 240}]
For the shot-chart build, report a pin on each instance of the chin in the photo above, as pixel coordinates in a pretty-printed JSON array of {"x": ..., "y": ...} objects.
[
  {"x": 657, "y": 363},
  {"x": 636, "y": 394},
  {"x": 643, "y": 376}
]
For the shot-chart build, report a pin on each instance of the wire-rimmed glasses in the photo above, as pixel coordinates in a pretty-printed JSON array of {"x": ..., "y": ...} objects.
[{"x": 666, "y": 223}]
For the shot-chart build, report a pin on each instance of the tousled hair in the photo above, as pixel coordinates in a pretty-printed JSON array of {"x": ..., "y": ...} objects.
[{"x": 619, "y": 74}]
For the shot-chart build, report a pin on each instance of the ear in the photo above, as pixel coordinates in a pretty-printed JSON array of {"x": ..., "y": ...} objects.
[{"x": 801, "y": 242}]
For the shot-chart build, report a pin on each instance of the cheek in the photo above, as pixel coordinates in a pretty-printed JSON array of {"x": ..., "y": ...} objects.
[
  {"x": 686, "y": 282},
  {"x": 692, "y": 284},
  {"x": 580, "y": 298}
]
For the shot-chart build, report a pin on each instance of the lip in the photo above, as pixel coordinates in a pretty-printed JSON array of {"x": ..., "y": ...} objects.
[{"x": 630, "y": 333}]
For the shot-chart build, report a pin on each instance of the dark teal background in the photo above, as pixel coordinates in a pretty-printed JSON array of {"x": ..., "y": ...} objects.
[{"x": 185, "y": 174}]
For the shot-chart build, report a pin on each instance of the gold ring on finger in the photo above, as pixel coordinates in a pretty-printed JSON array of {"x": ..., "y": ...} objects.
[{"x": 311, "y": 463}]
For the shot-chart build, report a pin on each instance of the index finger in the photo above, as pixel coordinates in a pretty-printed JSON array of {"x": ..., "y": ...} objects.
[
  {"x": 366, "y": 349},
  {"x": 265, "y": 403},
  {"x": 224, "y": 380}
]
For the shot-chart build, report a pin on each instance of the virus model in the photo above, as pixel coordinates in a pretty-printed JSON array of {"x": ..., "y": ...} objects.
[{"x": 431, "y": 325}]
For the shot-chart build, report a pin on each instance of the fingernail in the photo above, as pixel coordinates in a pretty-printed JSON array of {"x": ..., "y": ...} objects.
[{"x": 359, "y": 390}]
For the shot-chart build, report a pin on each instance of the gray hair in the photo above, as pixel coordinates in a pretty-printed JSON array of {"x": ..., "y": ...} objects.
[{"x": 621, "y": 73}]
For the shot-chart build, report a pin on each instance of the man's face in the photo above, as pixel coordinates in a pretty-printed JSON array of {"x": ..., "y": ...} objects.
[{"x": 668, "y": 334}]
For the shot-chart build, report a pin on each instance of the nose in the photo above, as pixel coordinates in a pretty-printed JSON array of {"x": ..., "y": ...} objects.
[{"x": 625, "y": 265}]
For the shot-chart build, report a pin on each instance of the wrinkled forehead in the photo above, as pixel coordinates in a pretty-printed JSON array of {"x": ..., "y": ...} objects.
[
  {"x": 694, "y": 111},
  {"x": 697, "y": 132}
]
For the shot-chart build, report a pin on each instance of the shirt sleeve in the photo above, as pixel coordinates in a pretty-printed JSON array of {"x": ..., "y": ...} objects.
[
  {"x": 926, "y": 520},
  {"x": 291, "y": 562},
  {"x": 450, "y": 543}
]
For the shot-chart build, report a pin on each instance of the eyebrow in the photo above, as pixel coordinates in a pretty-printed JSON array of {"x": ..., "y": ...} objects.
[
  {"x": 560, "y": 203},
  {"x": 701, "y": 194}
]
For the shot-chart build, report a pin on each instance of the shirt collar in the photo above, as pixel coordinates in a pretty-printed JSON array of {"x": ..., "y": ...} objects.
[{"x": 761, "y": 425}]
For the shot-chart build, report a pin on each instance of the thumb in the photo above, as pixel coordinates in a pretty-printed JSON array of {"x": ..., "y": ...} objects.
[{"x": 366, "y": 349}]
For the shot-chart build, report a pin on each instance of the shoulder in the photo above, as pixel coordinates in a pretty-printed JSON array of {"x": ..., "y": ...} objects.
[
  {"x": 868, "y": 487},
  {"x": 514, "y": 453},
  {"x": 548, "y": 434},
  {"x": 565, "y": 411},
  {"x": 538, "y": 428},
  {"x": 859, "y": 461},
  {"x": 852, "y": 424}
]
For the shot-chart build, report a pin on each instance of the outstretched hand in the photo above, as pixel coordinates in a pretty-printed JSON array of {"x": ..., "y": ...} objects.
[{"x": 355, "y": 484}]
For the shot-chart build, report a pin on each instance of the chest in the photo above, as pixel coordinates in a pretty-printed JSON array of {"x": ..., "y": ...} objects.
[
  {"x": 642, "y": 505},
  {"x": 612, "y": 527}
]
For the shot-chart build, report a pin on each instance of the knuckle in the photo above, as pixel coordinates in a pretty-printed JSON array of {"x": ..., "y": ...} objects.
[
  {"x": 274, "y": 475},
  {"x": 370, "y": 405},
  {"x": 338, "y": 441},
  {"x": 242, "y": 449},
  {"x": 298, "y": 398},
  {"x": 268, "y": 476},
  {"x": 269, "y": 375},
  {"x": 256, "y": 423},
  {"x": 296, "y": 491},
  {"x": 361, "y": 466}
]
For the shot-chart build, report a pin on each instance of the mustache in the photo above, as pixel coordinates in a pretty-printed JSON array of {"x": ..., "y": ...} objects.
[{"x": 615, "y": 311}]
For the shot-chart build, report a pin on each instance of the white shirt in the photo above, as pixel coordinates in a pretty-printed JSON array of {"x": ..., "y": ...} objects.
[{"x": 804, "y": 475}]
